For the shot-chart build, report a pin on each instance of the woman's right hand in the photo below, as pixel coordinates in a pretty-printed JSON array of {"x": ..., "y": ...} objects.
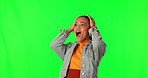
[{"x": 71, "y": 28}]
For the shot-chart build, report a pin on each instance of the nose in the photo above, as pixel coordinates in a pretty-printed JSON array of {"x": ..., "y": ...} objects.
[{"x": 78, "y": 27}]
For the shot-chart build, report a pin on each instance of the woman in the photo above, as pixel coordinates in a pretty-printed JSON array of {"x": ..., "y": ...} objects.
[{"x": 81, "y": 58}]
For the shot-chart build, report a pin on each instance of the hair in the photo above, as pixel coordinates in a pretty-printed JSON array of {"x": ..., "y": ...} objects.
[{"x": 86, "y": 18}]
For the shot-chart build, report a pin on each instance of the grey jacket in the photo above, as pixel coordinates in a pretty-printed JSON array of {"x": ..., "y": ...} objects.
[{"x": 92, "y": 53}]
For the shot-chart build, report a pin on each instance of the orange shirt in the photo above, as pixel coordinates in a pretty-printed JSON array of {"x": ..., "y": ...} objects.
[{"x": 75, "y": 62}]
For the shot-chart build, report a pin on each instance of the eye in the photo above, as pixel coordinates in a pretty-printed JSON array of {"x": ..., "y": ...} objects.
[
  {"x": 82, "y": 24},
  {"x": 75, "y": 24}
]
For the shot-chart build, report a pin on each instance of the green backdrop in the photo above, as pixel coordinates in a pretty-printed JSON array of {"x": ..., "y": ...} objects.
[{"x": 28, "y": 26}]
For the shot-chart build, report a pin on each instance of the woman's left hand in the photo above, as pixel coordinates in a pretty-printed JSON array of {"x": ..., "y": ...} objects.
[{"x": 92, "y": 22}]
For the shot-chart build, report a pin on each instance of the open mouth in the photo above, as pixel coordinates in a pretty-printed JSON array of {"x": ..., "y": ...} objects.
[{"x": 78, "y": 33}]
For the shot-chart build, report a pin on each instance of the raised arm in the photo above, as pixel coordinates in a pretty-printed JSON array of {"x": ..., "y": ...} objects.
[
  {"x": 99, "y": 46},
  {"x": 58, "y": 43}
]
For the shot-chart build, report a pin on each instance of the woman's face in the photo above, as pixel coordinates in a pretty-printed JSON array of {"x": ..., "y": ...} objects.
[{"x": 81, "y": 28}]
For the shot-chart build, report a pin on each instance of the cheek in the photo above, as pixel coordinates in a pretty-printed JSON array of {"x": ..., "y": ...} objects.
[
  {"x": 85, "y": 32},
  {"x": 85, "y": 29}
]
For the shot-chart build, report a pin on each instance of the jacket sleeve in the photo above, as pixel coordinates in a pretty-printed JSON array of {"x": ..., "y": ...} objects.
[
  {"x": 58, "y": 43},
  {"x": 99, "y": 46}
]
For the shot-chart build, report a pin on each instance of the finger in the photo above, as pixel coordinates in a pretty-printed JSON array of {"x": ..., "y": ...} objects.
[
  {"x": 89, "y": 17},
  {"x": 91, "y": 21},
  {"x": 76, "y": 19}
]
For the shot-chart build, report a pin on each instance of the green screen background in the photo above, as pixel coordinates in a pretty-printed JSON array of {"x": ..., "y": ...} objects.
[{"x": 28, "y": 26}]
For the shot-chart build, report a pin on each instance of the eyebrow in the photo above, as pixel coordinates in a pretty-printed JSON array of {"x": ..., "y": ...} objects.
[{"x": 82, "y": 22}]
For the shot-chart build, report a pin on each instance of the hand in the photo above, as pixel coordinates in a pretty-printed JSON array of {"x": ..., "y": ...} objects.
[
  {"x": 92, "y": 22},
  {"x": 71, "y": 28}
]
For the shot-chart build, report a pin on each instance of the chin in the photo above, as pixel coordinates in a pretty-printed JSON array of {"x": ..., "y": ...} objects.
[{"x": 79, "y": 40}]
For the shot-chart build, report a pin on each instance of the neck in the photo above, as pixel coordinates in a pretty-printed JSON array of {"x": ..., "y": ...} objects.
[{"x": 84, "y": 41}]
